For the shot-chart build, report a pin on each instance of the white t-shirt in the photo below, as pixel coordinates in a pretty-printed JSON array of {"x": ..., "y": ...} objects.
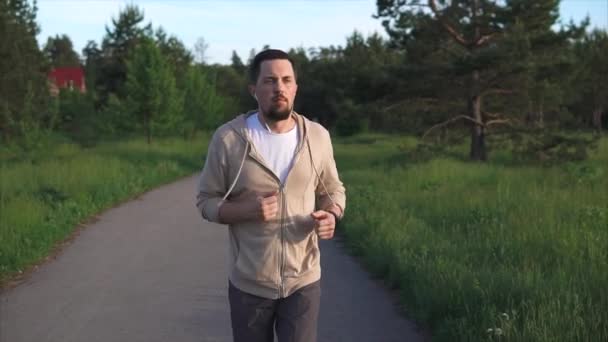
[{"x": 277, "y": 149}]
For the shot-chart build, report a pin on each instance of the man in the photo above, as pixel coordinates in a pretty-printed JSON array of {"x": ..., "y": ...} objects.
[{"x": 270, "y": 175}]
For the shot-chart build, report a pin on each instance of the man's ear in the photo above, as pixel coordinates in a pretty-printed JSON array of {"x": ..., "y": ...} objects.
[{"x": 252, "y": 91}]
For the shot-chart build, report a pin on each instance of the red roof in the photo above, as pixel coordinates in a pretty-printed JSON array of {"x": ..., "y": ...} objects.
[{"x": 68, "y": 77}]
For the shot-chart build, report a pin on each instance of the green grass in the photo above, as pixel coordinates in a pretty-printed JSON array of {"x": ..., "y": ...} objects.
[
  {"x": 470, "y": 246},
  {"x": 46, "y": 193},
  {"x": 473, "y": 247}
]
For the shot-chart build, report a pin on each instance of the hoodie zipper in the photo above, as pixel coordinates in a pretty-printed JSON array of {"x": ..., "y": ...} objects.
[
  {"x": 283, "y": 204},
  {"x": 296, "y": 157},
  {"x": 282, "y": 225}
]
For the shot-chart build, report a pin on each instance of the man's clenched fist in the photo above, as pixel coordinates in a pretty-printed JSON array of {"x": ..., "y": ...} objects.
[{"x": 325, "y": 224}]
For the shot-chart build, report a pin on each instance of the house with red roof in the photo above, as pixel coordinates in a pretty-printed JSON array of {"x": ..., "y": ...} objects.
[{"x": 66, "y": 77}]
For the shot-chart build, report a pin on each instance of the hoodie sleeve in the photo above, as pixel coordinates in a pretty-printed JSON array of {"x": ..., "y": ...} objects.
[
  {"x": 329, "y": 176},
  {"x": 212, "y": 183}
]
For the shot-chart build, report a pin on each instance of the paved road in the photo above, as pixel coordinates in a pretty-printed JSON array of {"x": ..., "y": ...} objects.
[{"x": 152, "y": 270}]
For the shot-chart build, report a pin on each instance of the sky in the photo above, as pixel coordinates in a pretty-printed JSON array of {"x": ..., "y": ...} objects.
[{"x": 242, "y": 25}]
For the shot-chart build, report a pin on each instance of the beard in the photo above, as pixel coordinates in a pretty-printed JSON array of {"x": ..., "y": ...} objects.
[{"x": 276, "y": 113}]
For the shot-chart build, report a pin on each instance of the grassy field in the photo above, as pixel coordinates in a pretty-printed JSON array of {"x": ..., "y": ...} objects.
[
  {"x": 483, "y": 252},
  {"x": 479, "y": 252},
  {"x": 45, "y": 194}
]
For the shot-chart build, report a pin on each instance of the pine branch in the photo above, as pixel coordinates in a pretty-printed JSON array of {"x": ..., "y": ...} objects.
[
  {"x": 445, "y": 123},
  {"x": 485, "y": 39},
  {"x": 446, "y": 25},
  {"x": 497, "y": 91}
]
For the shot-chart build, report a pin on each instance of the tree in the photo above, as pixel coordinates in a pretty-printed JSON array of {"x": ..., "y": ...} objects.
[
  {"x": 200, "y": 50},
  {"x": 252, "y": 54},
  {"x": 93, "y": 60},
  {"x": 203, "y": 106},
  {"x": 176, "y": 54},
  {"x": 237, "y": 63},
  {"x": 343, "y": 87},
  {"x": 477, "y": 50},
  {"x": 592, "y": 78},
  {"x": 76, "y": 116},
  {"x": 23, "y": 88},
  {"x": 59, "y": 51},
  {"x": 232, "y": 85},
  {"x": 120, "y": 40},
  {"x": 152, "y": 94}
]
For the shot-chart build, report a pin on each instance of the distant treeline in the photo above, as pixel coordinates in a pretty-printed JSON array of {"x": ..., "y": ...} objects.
[{"x": 501, "y": 71}]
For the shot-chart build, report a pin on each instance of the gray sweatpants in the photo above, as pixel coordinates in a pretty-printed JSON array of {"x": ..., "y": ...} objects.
[{"x": 294, "y": 318}]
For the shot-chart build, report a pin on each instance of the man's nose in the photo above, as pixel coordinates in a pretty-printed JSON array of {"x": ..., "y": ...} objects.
[{"x": 279, "y": 87}]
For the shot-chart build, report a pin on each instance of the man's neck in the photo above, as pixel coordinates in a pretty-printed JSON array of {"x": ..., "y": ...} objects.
[{"x": 281, "y": 126}]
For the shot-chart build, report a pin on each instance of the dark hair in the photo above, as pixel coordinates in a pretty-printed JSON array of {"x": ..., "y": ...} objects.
[{"x": 266, "y": 55}]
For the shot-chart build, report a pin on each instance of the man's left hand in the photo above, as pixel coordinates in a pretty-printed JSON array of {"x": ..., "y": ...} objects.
[{"x": 325, "y": 224}]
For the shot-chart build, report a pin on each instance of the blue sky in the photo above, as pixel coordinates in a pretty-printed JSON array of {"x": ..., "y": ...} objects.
[{"x": 242, "y": 25}]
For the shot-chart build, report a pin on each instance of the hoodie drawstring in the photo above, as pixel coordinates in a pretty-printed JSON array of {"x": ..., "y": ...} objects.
[
  {"x": 237, "y": 174},
  {"x": 317, "y": 173},
  {"x": 246, "y": 152}
]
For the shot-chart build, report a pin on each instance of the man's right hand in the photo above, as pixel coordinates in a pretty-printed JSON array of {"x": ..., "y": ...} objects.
[
  {"x": 265, "y": 207},
  {"x": 256, "y": 207}
]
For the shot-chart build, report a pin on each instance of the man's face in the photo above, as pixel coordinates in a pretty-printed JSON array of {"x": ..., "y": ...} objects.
[{"x": 276, "y": 89}]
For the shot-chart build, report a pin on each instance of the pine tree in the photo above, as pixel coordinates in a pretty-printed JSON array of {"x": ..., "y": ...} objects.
[
  {"x": 176, "y": 54},
  {"x": 23, "y": 88},
  {"x": 237, "y": 63},
  {"x": 203, "y": 106},
  {"x": 92, "y": 65},
  {"x": 152, "y": 94},
  {"x": 484, "y": 52},
  {"x": 592, "y": 78},
  {"x": 120, "y": 40},
  {"x": 59, "y": 52}
]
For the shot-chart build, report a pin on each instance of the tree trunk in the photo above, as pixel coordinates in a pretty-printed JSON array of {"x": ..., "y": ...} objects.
[
  {"x": 541, "y": 115},
  {"x": 597, "y": 119},
  {"x": 147, "y": 128},
  {"x": 530, "y": 114},
  {"x": 478, "y": 144}
]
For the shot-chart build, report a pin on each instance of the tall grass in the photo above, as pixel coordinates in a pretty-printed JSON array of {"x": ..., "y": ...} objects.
[
  {"x": 483, "y": 251},
  {"x": 478, "y": 251},
  {"x": 45, "y": 194}
]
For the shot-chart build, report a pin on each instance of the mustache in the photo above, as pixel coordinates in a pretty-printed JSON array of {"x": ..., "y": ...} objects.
[{"x": 279, "y": 97}]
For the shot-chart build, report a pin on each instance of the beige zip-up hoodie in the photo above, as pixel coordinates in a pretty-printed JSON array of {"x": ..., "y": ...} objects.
[{"x": 271, "y": 259}]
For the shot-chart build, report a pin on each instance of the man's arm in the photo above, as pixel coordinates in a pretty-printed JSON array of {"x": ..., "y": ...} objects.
[
  {"x": 262, "y": 207},
  {"x": 213, "y": 185},
  {"x": 335, "y": 189},
  {"x": 331, "y": 197}
]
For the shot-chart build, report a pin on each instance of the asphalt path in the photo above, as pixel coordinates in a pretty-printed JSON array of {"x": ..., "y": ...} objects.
[{"x": 152, "y": 270}]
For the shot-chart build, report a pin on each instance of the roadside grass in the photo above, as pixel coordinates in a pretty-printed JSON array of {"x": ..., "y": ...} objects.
[
  {"x": 46, "y": 193},
  {"x": 499, "y": 251},
  {"x": 482, "y": 251}
]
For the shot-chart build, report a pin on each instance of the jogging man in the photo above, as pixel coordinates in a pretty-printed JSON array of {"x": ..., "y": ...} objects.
[{"x": 270, "y": 175}]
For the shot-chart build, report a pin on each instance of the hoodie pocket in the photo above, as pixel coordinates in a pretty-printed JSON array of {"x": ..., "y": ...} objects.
[
  {"x": 257, "y": 259},
  {"x": 301, "y": 247}
]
